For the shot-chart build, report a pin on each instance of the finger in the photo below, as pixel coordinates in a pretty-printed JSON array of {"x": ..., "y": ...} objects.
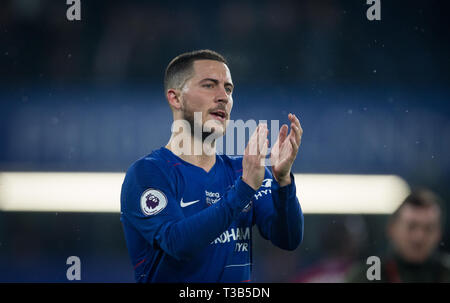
[
  {"x": 294, "y": 146},
  {"x": 298, "y": 134},
  {"x": 262, "y": 137},
  {"x": 297, "y": 123},
  {"x": 283, "y": 134},
  {"x": 296, "y": 129},
  {"x": 257, "y": 140},
  {"x": 265, "y": 147},
  {"x": 276, "y": 147},
  {"x": 293, "y": 118},
  {"x": 252, "y": 145},
  {"x": 291, "y": 131},
  {"x": 264, "y": 152}
]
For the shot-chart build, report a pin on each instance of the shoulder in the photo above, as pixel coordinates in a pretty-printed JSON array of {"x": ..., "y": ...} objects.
[
  {"x": 147, "y": 186},
  {"x": 150, "y": 161},
  {"x": 150, "y": 168},
  {"x": 444, "y": 260}
]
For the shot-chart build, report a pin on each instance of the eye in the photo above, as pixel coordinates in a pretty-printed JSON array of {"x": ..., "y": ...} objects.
[
  {"x": 228, "y": 89},
  {"x": 208, "y": 85}
]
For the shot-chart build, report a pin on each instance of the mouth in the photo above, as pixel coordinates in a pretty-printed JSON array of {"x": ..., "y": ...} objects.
[{"x": 219, "y": 115}]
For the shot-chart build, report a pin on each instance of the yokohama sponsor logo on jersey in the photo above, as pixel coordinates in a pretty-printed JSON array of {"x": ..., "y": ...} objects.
[{"x": 235, "y": 234}]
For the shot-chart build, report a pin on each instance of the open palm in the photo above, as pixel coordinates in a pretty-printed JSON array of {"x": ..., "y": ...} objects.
[{"x": 285, "y": 150}]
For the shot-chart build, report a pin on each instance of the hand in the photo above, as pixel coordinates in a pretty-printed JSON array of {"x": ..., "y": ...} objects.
[
  {"x": 253, "y": 168},
  {"x": 285, "y": 151}
]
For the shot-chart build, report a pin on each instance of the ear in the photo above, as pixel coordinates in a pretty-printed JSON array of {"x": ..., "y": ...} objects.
[{"x": 173, "y": 97}]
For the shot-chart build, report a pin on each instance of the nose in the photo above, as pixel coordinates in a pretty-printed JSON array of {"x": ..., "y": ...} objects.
[
  {"x": 222, "y": 96},
  {"x": 419, "y": 235}
]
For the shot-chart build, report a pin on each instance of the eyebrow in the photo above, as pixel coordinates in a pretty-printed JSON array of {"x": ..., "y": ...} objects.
[{"x": 217, "y": 81}]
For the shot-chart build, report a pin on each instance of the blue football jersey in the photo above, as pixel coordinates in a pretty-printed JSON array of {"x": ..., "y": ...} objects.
[{"x": 183, "y": 224}]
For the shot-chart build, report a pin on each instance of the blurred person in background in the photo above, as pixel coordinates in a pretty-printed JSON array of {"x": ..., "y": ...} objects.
[{"x": 414, "y": 231}]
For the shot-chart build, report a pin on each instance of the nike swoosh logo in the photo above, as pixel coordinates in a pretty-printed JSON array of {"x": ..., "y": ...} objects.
[{"x": 184, "y": 204}]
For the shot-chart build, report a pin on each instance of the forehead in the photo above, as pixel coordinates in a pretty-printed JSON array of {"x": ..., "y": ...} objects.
[
  {"x": 211, "y": 69},
  {"x": 420, "y": 214}
]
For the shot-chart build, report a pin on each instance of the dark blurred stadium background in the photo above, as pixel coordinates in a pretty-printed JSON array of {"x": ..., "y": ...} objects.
[{"x": 88, "y": 96}]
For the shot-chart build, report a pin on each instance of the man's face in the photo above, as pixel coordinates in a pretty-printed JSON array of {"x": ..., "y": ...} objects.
[
  {"x": 416, "y": 232},
  {"x": 208, "y": 91}
]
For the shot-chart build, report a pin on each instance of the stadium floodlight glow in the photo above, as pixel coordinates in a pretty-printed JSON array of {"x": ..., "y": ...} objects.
[
  {"x": 60, "y": 192},
  {"x": 100, "y": 192},
  {"x": 350, "y": 194}
]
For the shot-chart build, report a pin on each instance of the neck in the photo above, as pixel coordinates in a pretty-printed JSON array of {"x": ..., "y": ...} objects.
[{"x": 193, "y": 150}]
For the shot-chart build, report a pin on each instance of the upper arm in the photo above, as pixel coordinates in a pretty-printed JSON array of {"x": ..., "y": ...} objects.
[{"x": 147, "y": 199}]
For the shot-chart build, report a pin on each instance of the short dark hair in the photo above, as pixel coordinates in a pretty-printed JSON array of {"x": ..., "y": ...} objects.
[
  {"x": 180, "y": 68},
  {"x": 420, "y": 198}
]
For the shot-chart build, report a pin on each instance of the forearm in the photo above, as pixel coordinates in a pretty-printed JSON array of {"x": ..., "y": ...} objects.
[
  {"x": 286, "y": 230},
  {"x": 183, "y": 238}
]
